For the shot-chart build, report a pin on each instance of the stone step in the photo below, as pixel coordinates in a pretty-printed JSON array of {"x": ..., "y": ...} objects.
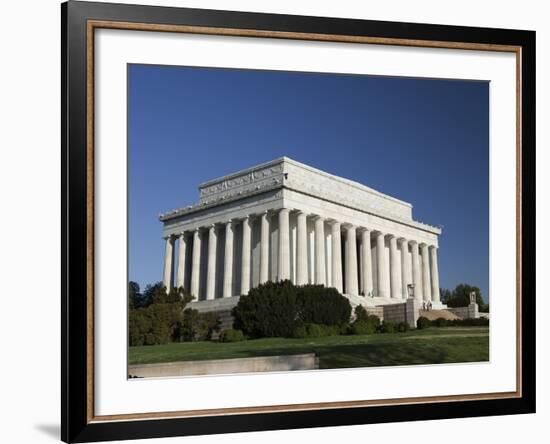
[
  {"x": 432, "y": 315},
  {"x": 219, "y": 304}
]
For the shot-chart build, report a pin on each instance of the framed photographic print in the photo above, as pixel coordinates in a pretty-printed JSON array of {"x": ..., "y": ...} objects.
[{"x": 276, "y": 221}]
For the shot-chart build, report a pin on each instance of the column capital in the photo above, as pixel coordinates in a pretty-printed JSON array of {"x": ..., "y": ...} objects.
[
  {"x": 284, "y": 210},
  {"x": 317, "y": 217},
  {"x": 391, "y": 236},
  {"x": 433, "y": 247},
  {"x": 242, "y": 219},
  {"x": 348, "y": 225},
  {"x": 413, "y": 242},
  {"x": 364, "y": 229},
  {"x": 402, "y": 240},
  {"x": 333, "y": 222}
]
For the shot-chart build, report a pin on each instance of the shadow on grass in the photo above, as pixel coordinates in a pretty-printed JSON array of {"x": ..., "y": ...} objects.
[
  {"x": 337, "y": 351},
  {"x": 385, "y": 354}
]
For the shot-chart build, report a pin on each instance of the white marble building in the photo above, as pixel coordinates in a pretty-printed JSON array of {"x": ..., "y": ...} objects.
[{"x": 286, "y": 220}]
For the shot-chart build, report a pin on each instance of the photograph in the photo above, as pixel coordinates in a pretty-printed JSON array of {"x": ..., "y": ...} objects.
[
  {"x": 304, "y": 221},
  {"x": 283, "y": 221}
]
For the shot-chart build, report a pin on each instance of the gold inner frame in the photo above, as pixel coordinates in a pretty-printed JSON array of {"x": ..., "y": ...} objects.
[{"x": 96, "y": 24}]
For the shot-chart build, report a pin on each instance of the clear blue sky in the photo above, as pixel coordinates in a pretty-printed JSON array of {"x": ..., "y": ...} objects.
[{"x": 424, "y": 141}]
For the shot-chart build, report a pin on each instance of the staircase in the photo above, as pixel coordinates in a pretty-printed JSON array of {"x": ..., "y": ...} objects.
[{"x": 432, "y": 315}]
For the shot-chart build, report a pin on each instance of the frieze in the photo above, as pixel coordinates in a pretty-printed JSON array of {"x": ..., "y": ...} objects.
[{"x": 253, "y": 177}]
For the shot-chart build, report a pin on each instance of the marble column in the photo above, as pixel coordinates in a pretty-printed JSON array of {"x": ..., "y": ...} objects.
[
  {"x": 301, "y": 249},
  {"x": 182, "y": 249},
  {"x": 168, "y": 263},
  {"x": 426, "y": 284},
  {"x": 211, "y": 270},
  {"x": 264, "y": 248},
  {"x": 320, "y": 256},
  {"x": 228, "y": 261},
  {"x": 417, "y": 279},
  {"x": 283, "y": 263},
  {"x": 367, "y": 286},
  {"x": 395, "y": 269},
  {"x": 436, "y": 298},
  {"x": 382, "y": 268},
  {"x": 336, "y": 256},
  {"x": 405, "y": 267},
  {"x": 245, "y": 263},
  {"x": 351, "y": 260},
  {"x": 196, "y": 264}
]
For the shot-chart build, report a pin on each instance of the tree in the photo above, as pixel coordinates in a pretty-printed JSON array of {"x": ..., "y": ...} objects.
[
  {"x": 276, "y": 309},
  {"x": 445, "y": 294},
  {"x": 150, "y": 290},
  {"x": 134, "y": 296},
  {"x": 268, "y": 310},
  {"x": 197, "y": 326},
  {"x": 460, "y": 296},
  {"x": 158, "y": 316}
]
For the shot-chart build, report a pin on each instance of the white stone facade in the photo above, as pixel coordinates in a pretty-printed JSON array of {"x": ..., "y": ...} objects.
[{"x": 286, "y": 220}]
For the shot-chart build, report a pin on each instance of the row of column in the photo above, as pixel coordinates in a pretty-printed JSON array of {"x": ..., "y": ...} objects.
[
  {"x": 229, "y": 228},
  {"x": 424, "y": 273}
]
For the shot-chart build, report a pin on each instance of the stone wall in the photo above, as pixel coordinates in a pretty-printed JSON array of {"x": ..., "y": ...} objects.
[
  {"x": 469, "y": 312},
  {"x": 225, "y": 366},
  {"x": 406, "y": 312},
  {"x": 395, "y": 313},
  {"x": 376, "y": 311}
]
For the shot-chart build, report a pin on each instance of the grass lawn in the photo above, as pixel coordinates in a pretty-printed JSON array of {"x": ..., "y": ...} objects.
[{"x": 428, "y": 346}]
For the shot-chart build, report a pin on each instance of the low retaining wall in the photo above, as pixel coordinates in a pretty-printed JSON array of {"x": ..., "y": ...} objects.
[
  {"x": 469, "y": 312},
  {"x": 223, "y": 366},
  {"x": 405, "y": 312}
]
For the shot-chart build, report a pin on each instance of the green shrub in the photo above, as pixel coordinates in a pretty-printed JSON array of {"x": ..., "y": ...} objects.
[
  {"x": 314, "y": 331},
  {"x": 333, "y": 330},
  {"x": 440, "y": 322},
  {"x": 402, "y": 327},
  {"x": 360, "y": 313},
  {"x": 300, "y": 332},
  {"x": 199, "y": 326},
  {"x": 362, "y": 328},
  {"x": 268, "y": 310},
  {"x": 388, "y": 327},
  {"x": 156, "y": 324},
  {"x": 156, "y": 318},
  {"x": 279, "y": 309},
  {"x": 310, "y": 330},
  {"x": 344, "y": 329},
  {"x": 232, "y": 335},
  {"x": 317, "y": 304},
  {"x": 473, "y": 322},
  {"x": 423, "y": 322}
]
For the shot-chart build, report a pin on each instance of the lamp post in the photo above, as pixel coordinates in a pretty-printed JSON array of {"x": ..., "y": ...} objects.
[{"x": 410, "y": 289}]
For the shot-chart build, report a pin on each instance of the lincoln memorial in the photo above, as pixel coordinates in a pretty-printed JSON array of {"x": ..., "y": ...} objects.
[{"x": 286, "y": 220}]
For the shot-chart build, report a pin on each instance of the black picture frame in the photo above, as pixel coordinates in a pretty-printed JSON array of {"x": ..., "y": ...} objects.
[{"x": 76, "y": 423}]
